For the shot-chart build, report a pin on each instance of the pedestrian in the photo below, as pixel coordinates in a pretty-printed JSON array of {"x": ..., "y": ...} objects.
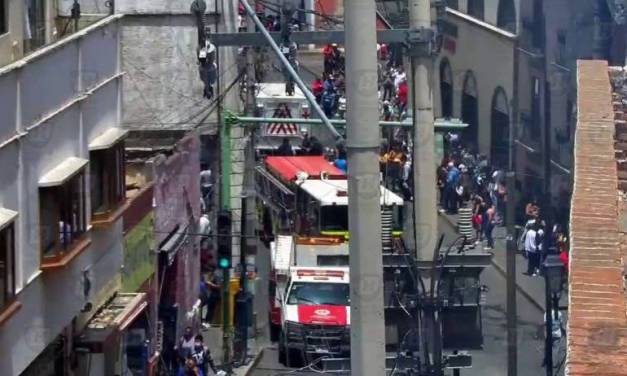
[
  {"x": 328, "y": 103},
  {"x": 189, "y": 368},
  {"x": 317, "y": 89},
  {"x": 488, "y": 223},
  {"x": 531, "y": 248},
  {"x": 388, "y": 86},
  {"x": 452, "y": 181},
  {"x": 202, "y": 357},
  {"x": 285, "y": 149},
  {"x": 478, "y": 210},
  {"x": 340, "y": 161},
  {"x": 403, "y": 92},
  {"x": 305, "y": 144},
  {"x": 185, "y": 344},
  {"x": 465, "y": 181},
  {"x": 400, "y": 77},
  {"x": 406, "y": 178},
  {"x": 210, "y": 292},
  {"x": 386, "y": 111},
  {"x": 316, "y": 147}
]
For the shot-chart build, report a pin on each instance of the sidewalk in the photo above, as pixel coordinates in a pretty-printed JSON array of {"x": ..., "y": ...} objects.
[
  {"x": 213, "y": 340},
  {"x": 531, "y": 288}
]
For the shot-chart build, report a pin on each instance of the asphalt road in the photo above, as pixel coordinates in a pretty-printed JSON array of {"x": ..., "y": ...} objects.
[{"x": 491, "y": 360}]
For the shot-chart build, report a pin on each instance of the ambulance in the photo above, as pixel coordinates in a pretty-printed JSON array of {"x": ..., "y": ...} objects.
[{"x": 315, "y": 315}]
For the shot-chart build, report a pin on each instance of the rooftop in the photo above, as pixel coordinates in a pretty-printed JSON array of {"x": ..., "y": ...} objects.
[{"x": 597, "y": 326}]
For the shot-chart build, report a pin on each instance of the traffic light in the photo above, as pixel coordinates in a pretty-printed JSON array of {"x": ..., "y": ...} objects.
[{"x": 224, "y": 239}]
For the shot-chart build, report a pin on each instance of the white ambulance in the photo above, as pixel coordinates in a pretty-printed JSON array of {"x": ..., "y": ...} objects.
[{"x": 315, "y": 315}]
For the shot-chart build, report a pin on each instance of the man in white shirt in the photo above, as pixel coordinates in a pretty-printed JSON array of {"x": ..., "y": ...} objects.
[{"x": 531, "y": 248}]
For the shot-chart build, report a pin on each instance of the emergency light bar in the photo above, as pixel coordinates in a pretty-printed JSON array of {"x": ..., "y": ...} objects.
[
  {"x": 320, "y": 273},
  {"x": 330, "y": 240}
]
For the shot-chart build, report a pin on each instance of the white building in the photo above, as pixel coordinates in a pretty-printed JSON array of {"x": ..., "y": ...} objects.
[{"x": 62, "y": 191}]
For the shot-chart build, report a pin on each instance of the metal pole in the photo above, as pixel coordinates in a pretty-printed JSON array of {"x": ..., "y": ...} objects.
[
  {"x": 225, "y": 198},
  {"x": 510, "y": 219},
  {"x": 342, "y": 123},
  {"x": 425, "y": 210},
  {"x": 364, "y": 208},
  {"x": 310, "y": 97},
  {"x": 548, "y": 344}
]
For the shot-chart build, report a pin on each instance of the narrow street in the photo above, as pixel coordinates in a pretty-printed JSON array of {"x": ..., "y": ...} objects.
[{"x": 492, "y": 360}]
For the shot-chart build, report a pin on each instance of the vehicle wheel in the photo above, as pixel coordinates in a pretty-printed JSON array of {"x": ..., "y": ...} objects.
[
  {"x": 282, "y": 357},
  {"x": 275, "y": 332},
  {"x": 295, "y": 359}
]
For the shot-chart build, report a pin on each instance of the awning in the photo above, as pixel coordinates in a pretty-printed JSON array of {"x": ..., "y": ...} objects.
[
  {"x": 63, "y": 172},
  {"x": 6, "y": 217},
  {"x": 107, "y": 139},
  {"x": 114, "y": 317},
  {"x": 174, "y": 242}
]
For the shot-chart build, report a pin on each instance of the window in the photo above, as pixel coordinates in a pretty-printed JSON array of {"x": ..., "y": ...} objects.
[
  {"x": 62, "y": 217},
  {"x": 475, "y": 9},
  {"x": 303, "y": 293},
  {"x": 35, "y": 30},
  {"x": 107, "y": 180},
  {"x": 334, "y": 218},
  {"x": 506, "y": 15},
  {"x": 453, "y": 4},
  {"x": 446, "y": 88},
  {"x": 7, "y": 267},
  {"x": 3, "y": 17}
]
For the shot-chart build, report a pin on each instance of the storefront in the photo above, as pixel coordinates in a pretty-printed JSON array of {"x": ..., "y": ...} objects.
[{"x": 116, "y": 341}]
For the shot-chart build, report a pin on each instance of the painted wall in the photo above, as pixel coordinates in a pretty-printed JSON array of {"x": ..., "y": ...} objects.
[
  {"x": 477, "y": 47},
  {"x": 177, "y": 204},
  {"x": 40, "y": 129}
]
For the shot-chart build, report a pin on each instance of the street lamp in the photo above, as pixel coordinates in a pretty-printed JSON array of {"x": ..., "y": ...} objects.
[{"x": 553, "y": 269}]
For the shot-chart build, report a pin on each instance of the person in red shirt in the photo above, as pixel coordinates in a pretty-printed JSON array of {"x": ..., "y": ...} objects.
[
  {"x": 317, "y": 89},
  {"x": 383, "y": 51},
  {"x": 403, "y": 91}
]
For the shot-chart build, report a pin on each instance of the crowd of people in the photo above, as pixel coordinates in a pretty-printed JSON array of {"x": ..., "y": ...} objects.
[
  {"x": 194, "y": 356},
  {"x": 330, "y": 89}
]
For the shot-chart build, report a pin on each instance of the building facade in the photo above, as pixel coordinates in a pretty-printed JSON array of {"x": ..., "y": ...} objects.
[{"x": 62, "y": 196}]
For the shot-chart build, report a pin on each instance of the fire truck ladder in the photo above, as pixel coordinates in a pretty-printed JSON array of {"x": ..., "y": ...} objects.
[{"x": 387, "y": 221}]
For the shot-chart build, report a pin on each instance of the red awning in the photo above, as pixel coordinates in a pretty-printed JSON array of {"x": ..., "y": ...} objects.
[{"x": 287, "y": 168}]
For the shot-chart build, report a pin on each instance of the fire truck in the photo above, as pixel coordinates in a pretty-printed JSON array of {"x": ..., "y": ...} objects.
[
  {"x": 308, "y": 196},
  {"x": 273, "y": 102},
  {"x": 303, "y": 204}
]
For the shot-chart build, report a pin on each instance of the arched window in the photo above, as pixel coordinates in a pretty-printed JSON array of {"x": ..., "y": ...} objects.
[
  {"x": 470, "y": 109},
  {"x": 506, "y": 17},
  {"x": 500, "y": 129},
  {"x": 476, "y": 9},
  {"x": 446, "y": 88}
]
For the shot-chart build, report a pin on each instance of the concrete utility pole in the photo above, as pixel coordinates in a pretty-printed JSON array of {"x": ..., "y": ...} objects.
[
  {"x": 364, "y": 208},
  {"x": 425, "y": 209},
  {"x": 510, "y": 221}
]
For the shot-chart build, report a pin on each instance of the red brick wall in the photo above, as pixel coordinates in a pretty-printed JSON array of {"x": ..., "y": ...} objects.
[{"x": 597, "y": 327}]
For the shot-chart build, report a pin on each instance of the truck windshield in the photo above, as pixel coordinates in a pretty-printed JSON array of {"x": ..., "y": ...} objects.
[
  {"x": 334, "y": 218},
  {"x": 303, "y": 293}
]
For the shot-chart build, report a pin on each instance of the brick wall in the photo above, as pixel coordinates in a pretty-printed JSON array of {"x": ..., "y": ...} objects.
[{"x": 597, "y": 326}]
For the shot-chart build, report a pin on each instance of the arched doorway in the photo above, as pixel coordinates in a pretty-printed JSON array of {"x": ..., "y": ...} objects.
[
  {"x": 446, "y": 88},
  {"x": 500, "y": 129},
  {"x": 470, "y": 111},
  {"x": 506, "y": 16}
]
